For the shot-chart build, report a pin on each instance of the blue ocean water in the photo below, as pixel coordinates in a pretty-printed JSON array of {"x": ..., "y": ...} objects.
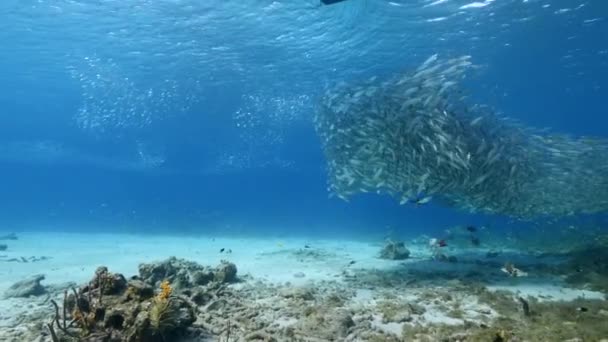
[
  {"x": 177, "y": 170},
  {"x": 195, "y": 116}
]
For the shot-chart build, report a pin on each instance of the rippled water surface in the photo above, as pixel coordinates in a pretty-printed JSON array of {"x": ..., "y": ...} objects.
[{"x": 157, "y": 76}]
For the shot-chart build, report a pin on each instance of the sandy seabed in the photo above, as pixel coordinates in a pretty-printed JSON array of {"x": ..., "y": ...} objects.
[{"x": 298, "y": 289}]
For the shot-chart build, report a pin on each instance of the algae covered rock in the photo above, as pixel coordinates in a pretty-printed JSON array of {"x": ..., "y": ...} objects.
[
  {"x": 110, "y": 308},
  {"x": 161, "y": 304},
  {"x": 225, "y": 272},
  {"x": 27, "y": 287},
  {"x": 394, "y": 251},
  {"x": 108, "y": 283},
  {"x": 186, "y": 274},
  {"x": 341, "y": 322},
  {"x": 140, "y": 290},
  {"x": 202, "y": 277}
]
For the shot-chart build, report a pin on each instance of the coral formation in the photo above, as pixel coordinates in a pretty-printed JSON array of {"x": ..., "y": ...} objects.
[
  {"x": 186, "y": 274},
  {"x": 179, "y": 300},
  {"x": 394, "y": 251},
  {"x": 112, "y": 308}
]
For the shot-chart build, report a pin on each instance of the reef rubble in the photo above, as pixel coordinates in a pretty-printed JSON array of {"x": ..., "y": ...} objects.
[{"x": 181, "y": 300}]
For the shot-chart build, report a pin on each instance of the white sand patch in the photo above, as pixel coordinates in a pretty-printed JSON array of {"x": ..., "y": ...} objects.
[
  {"x": 433, "y": 315},
  {"x": 74, "y": 257},
  {"x": 548, "y": 292},
  {"x": 298, "y": 261},
  {"x": 388, "y": 328}
]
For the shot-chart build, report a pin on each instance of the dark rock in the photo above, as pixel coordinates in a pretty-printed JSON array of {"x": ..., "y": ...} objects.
[
  {"x": 115, "y": 319},
  {"x": 342, "y": 321},
  {"x": 83, "y": 303},
  {"x": 140, "y": 289},
  {"x": 3, "y": 247},
  {"x": 202, "y": 277},
  {"x": 225, "y": 272},
  {"x": 181, "y": 279},
  {"x": 185, "y": 315},
  {"x": 201, "y": 297},
  {"x": 139, "y": 330},
  {"x": 27, "y": 287},
  {"x": 115, "y": 284},
  {"x": 154, "y": 273},
  {"x": 394, "y": 251},
  {"x": 110, "y": 283},
  {"x": 99, "y": 314}
]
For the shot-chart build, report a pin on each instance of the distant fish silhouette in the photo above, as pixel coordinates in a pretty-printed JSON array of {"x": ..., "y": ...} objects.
[
  {"x": 331, "y": 2},
  {"x": 423, "y": 200}
]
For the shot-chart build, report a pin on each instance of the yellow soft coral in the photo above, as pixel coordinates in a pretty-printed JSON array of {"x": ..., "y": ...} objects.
[
  {"x": 161, "y": 314},
  {"x": 165, "y": 290}
]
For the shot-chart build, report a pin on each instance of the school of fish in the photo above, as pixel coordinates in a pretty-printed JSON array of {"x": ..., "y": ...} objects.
[{"x": 416, "y": 137}]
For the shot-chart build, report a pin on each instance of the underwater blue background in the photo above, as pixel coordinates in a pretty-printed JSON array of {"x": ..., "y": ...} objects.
[{"x": 194, "y": 116}]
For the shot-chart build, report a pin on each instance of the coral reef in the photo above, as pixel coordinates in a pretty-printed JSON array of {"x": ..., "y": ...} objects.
[
  {"x": 179, "y": 300},
  {"x": 112, "y": 308},
  {"x": 186, "y": 274},
  {"x": 394, "y": 251}
]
